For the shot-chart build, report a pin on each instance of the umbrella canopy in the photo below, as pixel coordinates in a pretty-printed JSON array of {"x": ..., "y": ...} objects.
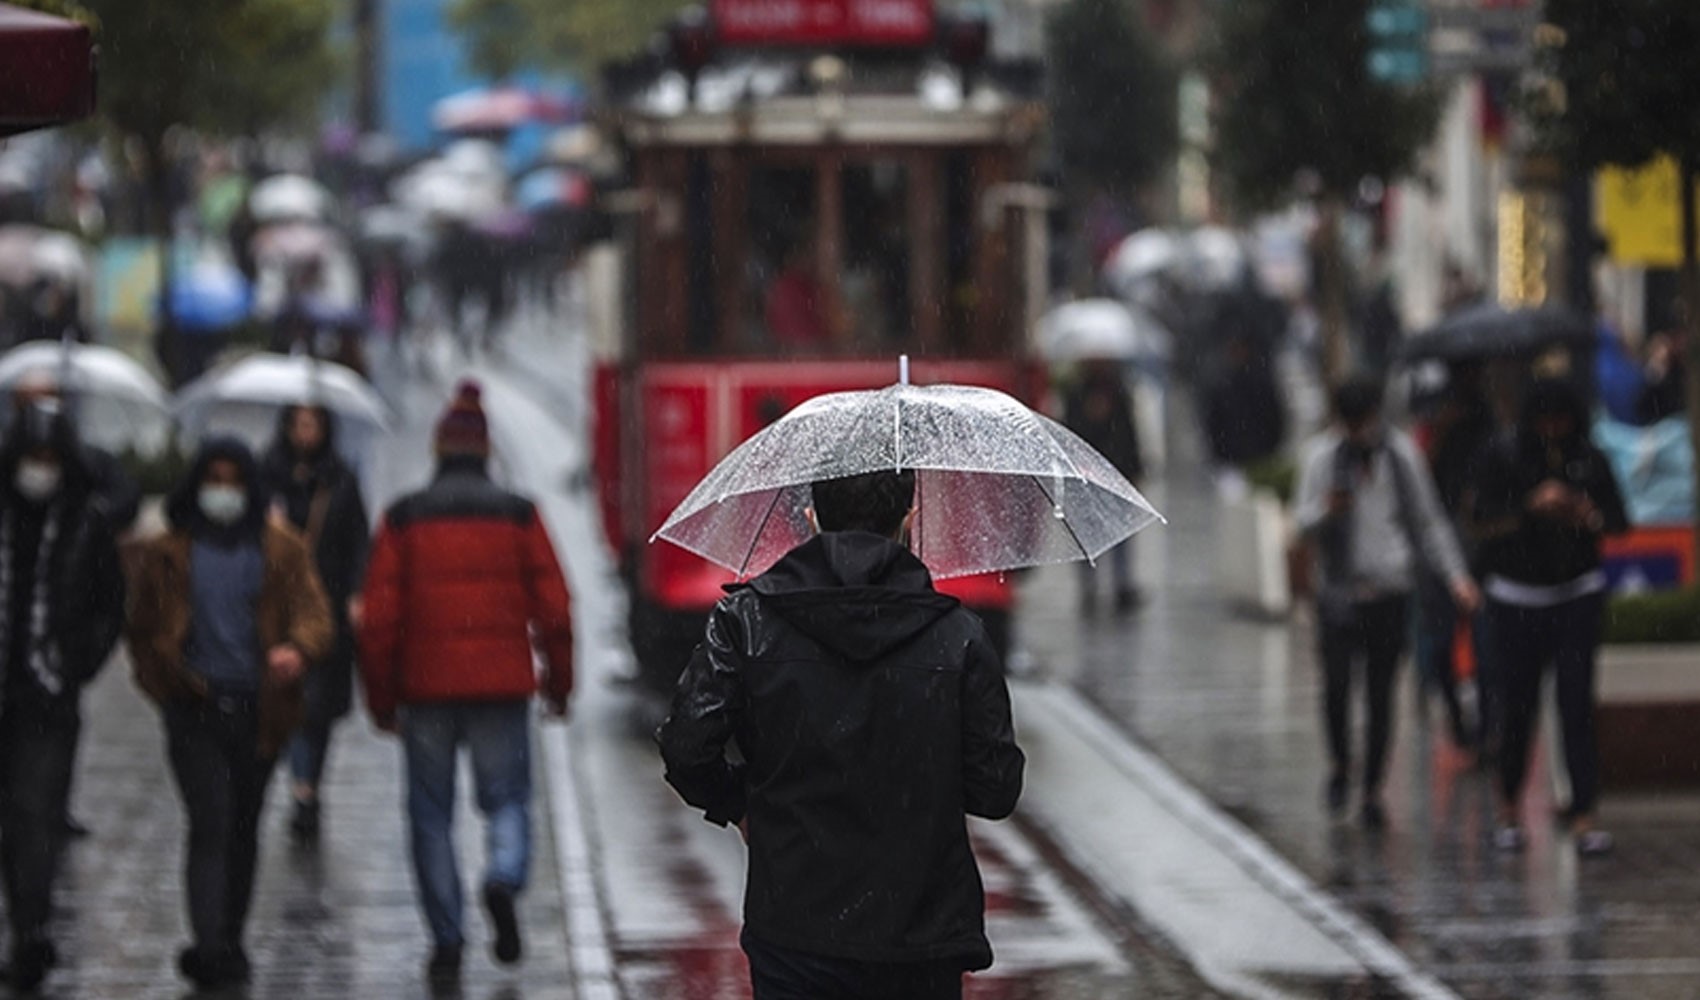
[
  {"x": 1216, "y": 259},
  {"x": 17, "y": 253},
  {"x": 274, "y": 381},
  {"x": 118, "y": 402},
  {"x": 1489, "y": 330},
  {"x": 295, "y": 241},
  {"x": 50, "y": 77},
  {"x": 288, "y": 196},
  {"x": 1101, "y": 328},
  {"x": 62, "y": 257},
  {"x": 553, "y": 188},
  {"x": 210, "y": 297},
  {"x": 498, "y": 109},
  {"x": 999, "y": 487},
  {"x": 1140, "y": 257},
  {"x": 439, "y": 191}
]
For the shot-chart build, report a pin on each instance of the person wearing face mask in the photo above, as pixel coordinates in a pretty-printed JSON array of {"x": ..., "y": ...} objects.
[
  {"x": 319, "y": 495},
  {"x": 1544, "y": 498},
  {"x": 61, "y": 611},
  {"x": 228, "y": 614},
  {"x": 1365, "y": 501}
]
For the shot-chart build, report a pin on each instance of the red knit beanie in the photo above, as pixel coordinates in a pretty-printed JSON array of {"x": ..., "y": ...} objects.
[{"x": 463, "y": 431}]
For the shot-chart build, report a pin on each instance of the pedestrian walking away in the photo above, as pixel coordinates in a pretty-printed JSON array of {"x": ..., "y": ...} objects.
[
  {"x": 1099, "y": 408},
  {"x": 320, "y": 496},
  {"x": 462, "y": 593},
  {"x": 61, "y": 612},
  {"x": 1544, "y": 500},
  {"x": 1367, "y": 505},
  {"x": 871, "y": 717},
  {"x": 228, "y": 614}
]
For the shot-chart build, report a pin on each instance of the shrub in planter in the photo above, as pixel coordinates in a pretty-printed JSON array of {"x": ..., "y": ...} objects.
[
  {"x": 1668, "y": 616},
  {"x": 1279, "y": 475}
]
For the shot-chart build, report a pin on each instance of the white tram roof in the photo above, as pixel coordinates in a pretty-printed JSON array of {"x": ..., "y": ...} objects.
[{"x": 759, "y": 102}]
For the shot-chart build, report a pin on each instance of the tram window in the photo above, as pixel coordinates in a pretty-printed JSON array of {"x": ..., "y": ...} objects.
[
  {"x": 785, "y": 304},
  {"x": 876, "y": 254}
]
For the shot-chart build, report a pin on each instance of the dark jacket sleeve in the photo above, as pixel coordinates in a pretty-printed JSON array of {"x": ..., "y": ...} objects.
[
  {"x": 1604, "y": 493},
  {"x": 551, "y": 609},
  {"x": 100, "y": 621},
  {"x": 120, "y": 496},
  {"x": 992, "y": 764},
  {"x": 707, "y": 706}
]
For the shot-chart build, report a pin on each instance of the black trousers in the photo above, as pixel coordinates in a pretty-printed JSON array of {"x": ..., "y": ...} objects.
[
  {"x": 222, "y": 778},
  {"x": 783, "y": 974},
  {"x": 39, "y": 743},
  {"x": 1566, "y": 637},
  {"x": 1371, "y": 632}
]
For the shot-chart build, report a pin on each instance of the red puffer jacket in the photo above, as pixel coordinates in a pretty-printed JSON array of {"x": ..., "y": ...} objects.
[{"x": 462, "y": 581}]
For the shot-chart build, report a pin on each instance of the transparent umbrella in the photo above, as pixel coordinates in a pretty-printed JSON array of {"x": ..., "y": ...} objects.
[
  {"x": 118, "y": 403},
  {"x": 1102, "y": 328},
  {"x": 998, "y": 486}
]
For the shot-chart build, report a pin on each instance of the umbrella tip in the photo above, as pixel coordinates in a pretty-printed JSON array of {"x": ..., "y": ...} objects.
[{"x": 903, "y": 369}]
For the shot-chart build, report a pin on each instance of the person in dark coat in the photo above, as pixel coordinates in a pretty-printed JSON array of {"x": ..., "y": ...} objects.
[
  {"x": 1543, "y": 500},
  {"x": 1244, "y": 418},
  {"x": 1100, "y": 410},
  {"x": 61, "y": 612},
  {"x": 872, "y": 718},
  {"x": 316, "y": 492},
  {"x": 227, "y": 618},
  {"x": 112, "y": 485}
]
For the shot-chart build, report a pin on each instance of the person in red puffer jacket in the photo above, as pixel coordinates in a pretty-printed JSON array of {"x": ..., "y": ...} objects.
[{"x": 462, "y": 589}]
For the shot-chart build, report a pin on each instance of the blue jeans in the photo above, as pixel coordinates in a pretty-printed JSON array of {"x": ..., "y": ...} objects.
[{"x": 498, "y": 735}]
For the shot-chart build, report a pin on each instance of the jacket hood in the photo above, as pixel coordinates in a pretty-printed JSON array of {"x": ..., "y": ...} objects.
[
  {"x": 55, "y": 430},
  {"x": 858, "y": 594},
  {"x": 183, "y": 508}
]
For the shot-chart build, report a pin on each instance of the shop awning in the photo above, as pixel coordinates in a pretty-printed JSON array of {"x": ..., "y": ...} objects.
[{"x": 49, "y": 75}]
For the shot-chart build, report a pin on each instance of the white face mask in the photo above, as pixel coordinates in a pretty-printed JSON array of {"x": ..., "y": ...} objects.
[
  {"x": 36, "y": 480},
  {"x": 223, "y": 505}
]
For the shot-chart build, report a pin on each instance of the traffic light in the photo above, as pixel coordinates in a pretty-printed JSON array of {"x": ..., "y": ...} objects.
[{"x": 1398, "y": 40}]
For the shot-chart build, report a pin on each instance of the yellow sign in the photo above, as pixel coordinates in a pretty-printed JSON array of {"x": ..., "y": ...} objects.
[{"x": 1640, "y": 213}]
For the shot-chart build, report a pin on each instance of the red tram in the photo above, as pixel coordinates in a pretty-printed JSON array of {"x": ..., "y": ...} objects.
[{"x": 816, "y": 186}]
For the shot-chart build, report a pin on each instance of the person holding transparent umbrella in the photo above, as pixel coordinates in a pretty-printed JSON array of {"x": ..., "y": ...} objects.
[{"x": 870, "y": 711}]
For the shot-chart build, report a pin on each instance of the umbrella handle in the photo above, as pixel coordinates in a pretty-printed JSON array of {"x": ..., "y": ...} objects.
[{"x": 903, "y": 369}]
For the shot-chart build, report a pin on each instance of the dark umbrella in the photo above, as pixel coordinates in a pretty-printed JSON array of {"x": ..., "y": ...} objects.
[{"x": 1487, "y": 331}]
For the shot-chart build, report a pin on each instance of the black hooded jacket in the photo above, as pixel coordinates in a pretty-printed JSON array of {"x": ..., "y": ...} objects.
[
  {"x": 872, "y": 717},
  {"x": 1526, "y": 547},
  {"x": 85, "y": 586},
  {"x": 183, "y": 506}
]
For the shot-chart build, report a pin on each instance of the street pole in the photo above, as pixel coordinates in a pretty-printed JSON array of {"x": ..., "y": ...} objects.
[{"x": 366, "y": 104}]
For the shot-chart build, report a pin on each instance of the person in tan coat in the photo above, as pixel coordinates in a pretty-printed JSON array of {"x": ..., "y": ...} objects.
[{"x": 227, "y": 614}]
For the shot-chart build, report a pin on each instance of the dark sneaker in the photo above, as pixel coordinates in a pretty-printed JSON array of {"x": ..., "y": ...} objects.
[
  {"x": 208, "y": 970},
  {"x": 1374, "y": 816},
  {"x": 71, "y": 828},
  {"x": 304, "y": 823},
  {"x": 504, "y": 919},
  {"x": 31, "y": 961},
  {"x": 240, "y": 968},
  {"x": 443, "y": 971},
  {"x": 1335, "y": 795}
]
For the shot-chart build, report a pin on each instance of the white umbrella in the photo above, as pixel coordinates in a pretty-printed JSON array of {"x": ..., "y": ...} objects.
[
  {"x": 437, "y": 191},
  {"x": 1101, "y": 328},
  {"x": 273, "y": 381},
  {"x": 62, "y": 257},
  {"x": 118, "y": 402},
  {"x": 17, "y": 253},
  {"x": 1140, "y": 258},
  {"x": 1216, "y": 259},
  {"x": 998, "y": 486},
  {"x": 288, "y": 196},
  {"x": 295, "y": 241}
]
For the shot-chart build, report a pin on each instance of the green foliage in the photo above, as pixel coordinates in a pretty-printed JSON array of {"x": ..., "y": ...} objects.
[
  {"x": 1113, "y": 99},
  {"x": 507, "y": 35},
  {"x": 1278, "y": 474},
  {"x": 1628, "y": 76},
  {"x": 220, "y": 66},
  {"x": 1296, "y": 99},
  {"x": 1667, "y": 616}
]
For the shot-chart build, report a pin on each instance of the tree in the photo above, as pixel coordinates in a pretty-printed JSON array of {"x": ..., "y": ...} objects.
[
  {"x": 504, "y": 36},
  {"x": 1626, "y": 83},
  {"x": 1113, "y": 110},
  {"x": 1297, "y": 111},
  {"x": 219, "y": 67}
]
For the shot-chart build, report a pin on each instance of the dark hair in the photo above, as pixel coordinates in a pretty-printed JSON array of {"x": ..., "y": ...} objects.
[
  {"x": 1356, "y": 400},
  {"x": 875, "y": 502},
  {"x": 182, "y": 506}
]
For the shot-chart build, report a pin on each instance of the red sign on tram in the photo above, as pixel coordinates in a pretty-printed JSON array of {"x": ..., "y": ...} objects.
[{"x": 823, "y": 22}]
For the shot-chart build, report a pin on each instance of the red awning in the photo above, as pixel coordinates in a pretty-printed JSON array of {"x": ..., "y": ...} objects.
[{"x": 48, "y": 75}]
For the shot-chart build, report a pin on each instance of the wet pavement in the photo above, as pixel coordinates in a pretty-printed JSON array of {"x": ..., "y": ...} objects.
[
  {"x": 1232, "y": 705},
  {"x": 1192, "y": 860}
]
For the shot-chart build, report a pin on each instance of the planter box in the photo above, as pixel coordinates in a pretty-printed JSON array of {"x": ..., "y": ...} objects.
[
  {"x": 1649, "y": 716},
  {"x": 1251, "y": 555}
]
